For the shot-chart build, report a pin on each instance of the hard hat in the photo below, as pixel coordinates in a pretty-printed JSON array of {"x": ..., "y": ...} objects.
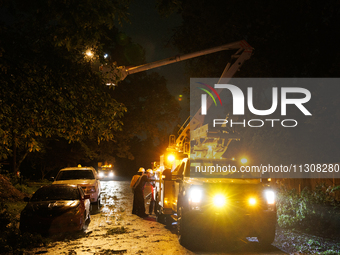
[
  {"x": 141, "y": 170},
  {"x": 149, "y": 171}
]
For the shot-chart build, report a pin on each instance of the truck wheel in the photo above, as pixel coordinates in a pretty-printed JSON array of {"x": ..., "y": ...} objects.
[
  {"x": 160, "y": 217},
  {"x": 156, "y": 205},
  {"x": 168, "y": 221},
  {"x": 267, "y": 236},
  {"x": 183, "y": 229}
]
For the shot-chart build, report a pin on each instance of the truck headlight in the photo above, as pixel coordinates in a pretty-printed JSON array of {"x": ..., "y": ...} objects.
[
  {"x": 252, "y": 201},
  {"x": 195, "y": 195},
  {"x": 101, "y": 174},
  {"x": 111, "y": 174},
  {"x": 219, "y": 200},
  {"x": 270, "y": 197}
]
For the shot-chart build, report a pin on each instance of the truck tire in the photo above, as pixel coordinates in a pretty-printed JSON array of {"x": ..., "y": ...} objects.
[
  {"x": 156, "y": 205},
  {"x": 160, "y": 217},
  {"x": 183, "y": 228},
  {"x": 168, "y": 221},
  {"x": 267, "y": 236}
]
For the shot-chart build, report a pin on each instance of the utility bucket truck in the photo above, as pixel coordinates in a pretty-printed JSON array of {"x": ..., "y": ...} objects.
[{"x": 231, "y": 206}]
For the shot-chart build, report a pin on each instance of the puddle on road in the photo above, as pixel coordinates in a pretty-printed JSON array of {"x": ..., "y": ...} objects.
[{"x": 116, "y": 198}]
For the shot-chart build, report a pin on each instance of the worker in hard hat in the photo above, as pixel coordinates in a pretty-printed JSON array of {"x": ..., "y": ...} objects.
[
  {"x": 138, "y": 200},
  {"x": 136, "y": 177},
  {"x": 134, "y": 182}
]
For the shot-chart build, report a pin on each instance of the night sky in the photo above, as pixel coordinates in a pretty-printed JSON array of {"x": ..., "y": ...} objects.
[{"x": 153, "y": 32}]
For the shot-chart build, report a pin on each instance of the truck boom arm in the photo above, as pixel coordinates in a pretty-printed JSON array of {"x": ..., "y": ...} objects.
[
  {"x": 230, "y": 46},
  {"x": 120, "y": 73},
  {"x": 243, "y": 53}
]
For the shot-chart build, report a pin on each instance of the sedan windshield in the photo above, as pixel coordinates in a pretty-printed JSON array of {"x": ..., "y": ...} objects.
[
  {"x": 56, "y": 193},
  {"x": 75, "y": 175}
]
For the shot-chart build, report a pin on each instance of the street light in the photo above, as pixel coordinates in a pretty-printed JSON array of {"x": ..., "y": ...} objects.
[{"x": 89, "y": 53}]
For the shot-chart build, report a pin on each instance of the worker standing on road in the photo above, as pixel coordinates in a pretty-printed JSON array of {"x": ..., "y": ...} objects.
[
  {"x": 139, "y": 195},
  {"x": 136, "y": 195}
]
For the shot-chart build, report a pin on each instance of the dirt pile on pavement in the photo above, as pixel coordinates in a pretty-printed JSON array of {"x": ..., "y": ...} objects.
[{"x": 8, "y": 192}]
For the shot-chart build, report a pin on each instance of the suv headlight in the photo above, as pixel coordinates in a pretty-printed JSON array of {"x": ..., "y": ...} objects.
[
  {"x": 90, "y": 189},
  {"x": 270, "y": 197}
]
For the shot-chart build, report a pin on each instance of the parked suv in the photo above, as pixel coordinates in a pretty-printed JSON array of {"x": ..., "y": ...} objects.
[{"x": 85, "y": 177}]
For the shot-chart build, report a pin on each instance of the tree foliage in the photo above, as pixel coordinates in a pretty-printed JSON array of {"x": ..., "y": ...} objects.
[
  {"x": 48, "y": 86},
  {"x": 314, "y": 211},
  {"x": 151, "y": 111},
  {"x": 52, "y": 94}
]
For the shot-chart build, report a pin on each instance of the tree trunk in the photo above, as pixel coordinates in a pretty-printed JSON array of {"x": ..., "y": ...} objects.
[{"x": 14, "y": 147}]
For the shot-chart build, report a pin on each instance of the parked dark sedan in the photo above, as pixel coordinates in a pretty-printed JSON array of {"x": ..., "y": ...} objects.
[{"x": 55, "y": 209}]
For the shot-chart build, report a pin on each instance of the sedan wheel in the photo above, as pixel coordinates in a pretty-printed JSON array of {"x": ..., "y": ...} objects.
[
  {"x": 95, "y": 207},
  {"x": 87, "y": 222}
]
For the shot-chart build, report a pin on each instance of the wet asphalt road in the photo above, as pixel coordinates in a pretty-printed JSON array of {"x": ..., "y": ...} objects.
[{"x": 114, "y": 230}]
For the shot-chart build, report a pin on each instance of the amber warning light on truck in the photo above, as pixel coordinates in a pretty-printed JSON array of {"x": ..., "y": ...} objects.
[{"x": 105, "y": 171}]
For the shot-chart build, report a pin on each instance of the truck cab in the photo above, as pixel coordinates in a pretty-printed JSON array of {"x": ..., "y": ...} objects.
[{"x": 233, "y": 207}]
